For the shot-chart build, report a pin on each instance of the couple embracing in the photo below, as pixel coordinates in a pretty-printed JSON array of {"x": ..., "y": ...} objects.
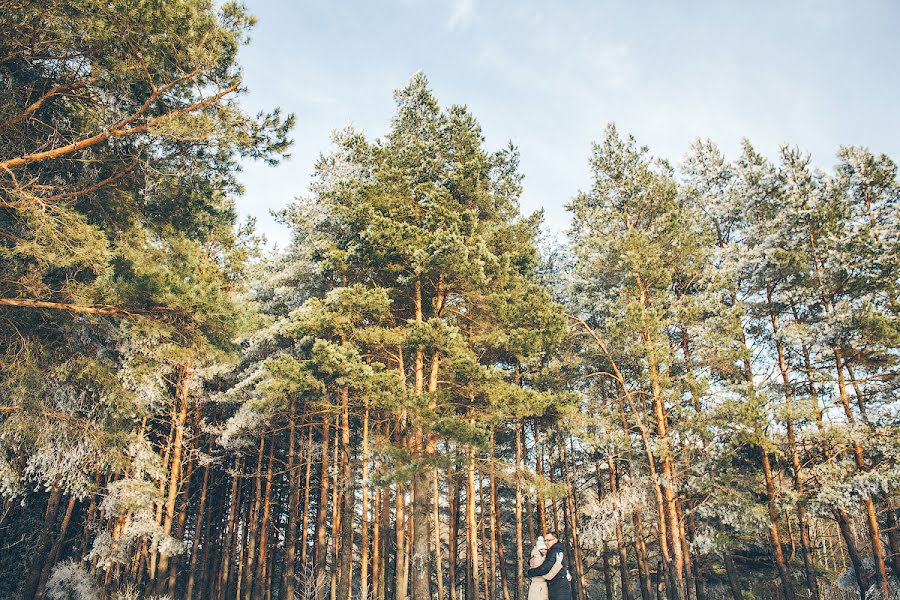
[{"x": 548, "y": 569}]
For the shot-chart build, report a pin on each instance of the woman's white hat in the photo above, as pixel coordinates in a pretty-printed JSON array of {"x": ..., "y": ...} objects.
[{"x": 541, "y": 544}]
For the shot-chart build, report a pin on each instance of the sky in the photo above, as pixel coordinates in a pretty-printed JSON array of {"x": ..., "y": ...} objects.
[{"x": 549, "y": 76}]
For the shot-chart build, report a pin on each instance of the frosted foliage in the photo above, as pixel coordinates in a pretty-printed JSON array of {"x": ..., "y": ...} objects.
[
  {"x": 61, "y": 459},
  {"x": 69, "y": 581},
  {"x": 236, "y": 432},
  {"x": 615, "y": 508},
  {"x": 109, "y": 550},
  {"x": 131, "y": 593},
  {"x": 135, "y": 495},
  {"x": 11, "y": 484},
  {"x": 142, "y": 373}
]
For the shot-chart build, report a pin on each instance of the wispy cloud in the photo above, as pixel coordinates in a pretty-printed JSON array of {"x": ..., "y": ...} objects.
[{"x": 461, "y": 14}]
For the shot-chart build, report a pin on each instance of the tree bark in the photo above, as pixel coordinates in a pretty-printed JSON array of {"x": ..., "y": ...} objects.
[
  {"x": 182, "y": 390},
  {"x": 32, "y": 577},
  {"x": 862, "y": 577},
  {"x": 348, "y": 498},
  {"x": 286, "y": 591},
  {"x": 55, "y": 549},
  {"x": 777, "y": 552},
  {"x": 198, "y": 532},
  {"x": 471, "y": 529},
  {"x": 320, "y": 557},
  {"x": 520, "y": 554}
]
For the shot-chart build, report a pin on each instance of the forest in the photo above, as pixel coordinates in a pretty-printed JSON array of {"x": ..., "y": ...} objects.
[{"x": 695, "y": 389}]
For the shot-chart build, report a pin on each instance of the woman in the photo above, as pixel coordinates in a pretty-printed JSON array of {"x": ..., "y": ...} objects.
[{"x": 538, "y": 588}]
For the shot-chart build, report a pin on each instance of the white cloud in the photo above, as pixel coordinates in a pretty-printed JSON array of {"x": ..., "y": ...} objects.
[{"x": 461, "y": 15}]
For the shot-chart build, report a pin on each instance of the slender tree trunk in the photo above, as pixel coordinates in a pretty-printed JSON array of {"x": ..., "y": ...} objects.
[
  {"x": 179, "y": 531},
  {"x": 401, "y": 580},
  {"x": 668, "y": 470},
  {"x": 868, "y": 502},
  {"x": 640, "y": 548},
  {"x": 307, "y": 477},
  {"x": 733, "y": 584},
  {"x": 320, "y": 557},
  {"x": 55, "y": 549},
  {"x": 488, "y": 563},
  {"x": 384, "y": 528},
  {"x": 230, "y": 530},
  {"x": 253, "y": 521},
  {"x": 780, "y": 563},
  {"x": 805, "y": 543},
  {"x": 182, "y": 390},
  {"x": 348, "y": 497},
  {"x": 198, "y": 532},
  {"x": 539, "y": 469},
  {"x": 471, "y": 529},
  {"x": 497, "y": 527},
  {"x": 293, "y": 480},
  {"x": 151, "y": 554},
  {"x": 607, "y": 577},
  {"x": 453, "y": 535},
  {"x": 364, "y": 511},
  {"x": 421, "y": 567},
  {"x": 263, "y": 562},
  {"x": 436, "y": 528},
  {"x": 620, "y": 537},
  {"x": 520, "y": 555},
  {"x": 39, "y": 550},
  {"x": 573, "y": 518},
  {"x": 862, "y": 577},
  {"x": 334, "y": 540}
]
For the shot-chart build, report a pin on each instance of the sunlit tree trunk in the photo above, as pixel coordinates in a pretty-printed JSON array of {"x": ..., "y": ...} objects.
[{"x": 320, "y": 550}]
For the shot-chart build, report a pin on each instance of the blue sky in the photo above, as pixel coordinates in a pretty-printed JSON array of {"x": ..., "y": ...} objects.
[{"x": 550, "y": 75}]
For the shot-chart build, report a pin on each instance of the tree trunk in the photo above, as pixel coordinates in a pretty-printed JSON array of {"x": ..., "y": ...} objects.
[
  {"x": 668, "y": 470},
  {"x": 620, "y": 537},
  {"x": 320, "y": 557},
  {"x": 805, "y": 543},
  {"x": 862, "y": 577},
  {"x": 520, "y": 555},
  {"x": 32, "y": 577},
  {"x": 290, "y": 535},
  {"x": 401, "y": 571},
  {"x": 57, "y": 546},
  {"x": 182, "y": 390},
  {"x": 364, "y": 511},
  {"x": 453, "y": 534},
  {"x": 421, "y": 488},
  {"x": 436, "y": 528},
  {"x": 230, "y": 530},
  {"x": 868, "y": 502},
  {"x": 348, "y": 497},
  {"x": 263, "y": 560},
  {"x": 497, "y": 527},
  {"x": 198, "y": 532},
  {"x": 471, "y": 529},
  {"x": 253, "y": 521},
  {"x": 573, "y": 521},
  {"x": 640, "y": 548},
  {"x": 780, "y": 563},
  {"x": 607, "y": 577},
  {"x": 733, "y": 584},
  {"x": 488, "y": 563},
  {"x": 179, "y": 531}
]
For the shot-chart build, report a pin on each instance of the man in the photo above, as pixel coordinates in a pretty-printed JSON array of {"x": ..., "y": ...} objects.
[{"x": 558, "y": 587}]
